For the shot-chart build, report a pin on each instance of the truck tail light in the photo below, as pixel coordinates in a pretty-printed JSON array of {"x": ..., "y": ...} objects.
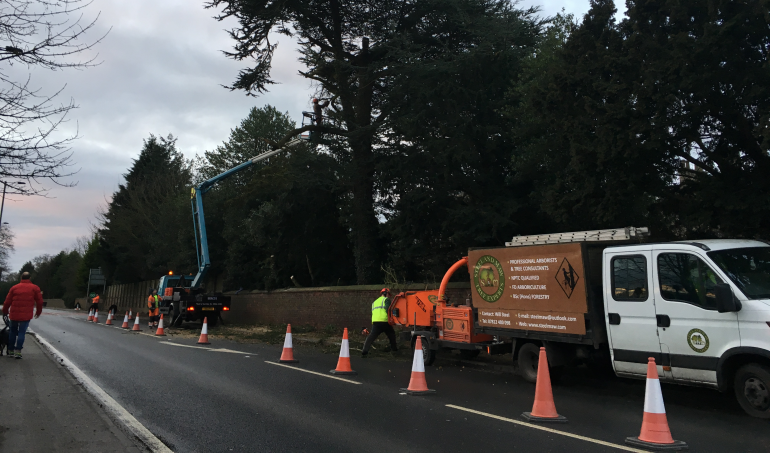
[
  {"x": 190, "y": 308},
  {"x": 228, "y": 309}
]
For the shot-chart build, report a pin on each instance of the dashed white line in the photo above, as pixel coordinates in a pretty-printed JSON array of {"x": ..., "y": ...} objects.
[
  {"x": 550, "y": 430},
  {"x": 313, "y": 372}
]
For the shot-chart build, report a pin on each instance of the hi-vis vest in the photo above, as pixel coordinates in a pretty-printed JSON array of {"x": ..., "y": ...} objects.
[
  {"x": 380, "y": 310},
  {"x": 152, "y": 302}
]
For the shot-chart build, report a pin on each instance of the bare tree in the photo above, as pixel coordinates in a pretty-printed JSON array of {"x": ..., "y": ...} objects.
[
  {"x": 6, "y": 248},
  {"x": 48, "y": 34}
]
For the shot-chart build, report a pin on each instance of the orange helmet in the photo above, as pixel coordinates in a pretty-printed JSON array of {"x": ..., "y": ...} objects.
[
  {"x": 315, "y": 100},
  {"x": 384, "y": 290}
]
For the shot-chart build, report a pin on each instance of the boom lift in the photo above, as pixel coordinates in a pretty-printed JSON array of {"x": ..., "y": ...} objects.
[{"x": 183, "y": 297}]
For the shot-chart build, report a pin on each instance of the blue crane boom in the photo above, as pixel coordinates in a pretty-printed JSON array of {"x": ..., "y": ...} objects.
[{"x": 199, "y": 221}]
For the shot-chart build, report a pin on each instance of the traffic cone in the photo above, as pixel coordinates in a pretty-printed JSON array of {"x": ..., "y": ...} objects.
[
  {"x": 96, "y": 316},
  {"x": 130, "y": 314},
  {"x": 287, "y": 356},
  {"x": 109, "y": 319},
  {"x": 137, "y": 327},
  {"x": 125, "y": 322},
  {"x": 160, "y": 332},
  {"x": 655, "y": 434},
  {"x": 90, "y": 315},
  {"x": 343, "y": 364},
  {"x": 544, "y": 410},
  {"x": 204, "y": 339},
  {"x": 417, "y": 384}
]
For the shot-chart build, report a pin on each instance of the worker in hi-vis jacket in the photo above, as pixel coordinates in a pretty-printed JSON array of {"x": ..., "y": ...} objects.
[{"x": 380, "y": 323}]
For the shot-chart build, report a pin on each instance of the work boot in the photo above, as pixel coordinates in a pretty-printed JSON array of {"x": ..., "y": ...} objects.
[
  {"x": 364, "y": 355},
  {"x": 18, "y": 354},
  {"x": 11, "y": 354}
]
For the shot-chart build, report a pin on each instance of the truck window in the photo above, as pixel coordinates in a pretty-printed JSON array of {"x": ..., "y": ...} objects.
[
  {"x": 629, "y": 278},
  {"x": 686, "y": 278},
  {"x": 748, "y": 268}
]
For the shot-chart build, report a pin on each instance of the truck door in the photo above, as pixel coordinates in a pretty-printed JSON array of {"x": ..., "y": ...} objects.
[
  {"x": 630, "y": 308},
  {"x": 691, "y": 329}
]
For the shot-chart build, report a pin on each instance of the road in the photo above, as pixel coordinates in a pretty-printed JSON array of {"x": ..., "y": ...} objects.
[{"x": 227, "y": 397}]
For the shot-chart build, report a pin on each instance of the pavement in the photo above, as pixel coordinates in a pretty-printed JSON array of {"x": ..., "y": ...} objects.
[
  {"x": 46, "y": 410},
  {"x": 229, "y": 396}
]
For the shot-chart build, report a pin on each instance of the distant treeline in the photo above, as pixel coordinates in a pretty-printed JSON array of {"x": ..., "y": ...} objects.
[{"x": 491, "y": 124}]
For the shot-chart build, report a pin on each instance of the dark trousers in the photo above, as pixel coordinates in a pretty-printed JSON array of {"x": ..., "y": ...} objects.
[{"x": 377, "y": 329}]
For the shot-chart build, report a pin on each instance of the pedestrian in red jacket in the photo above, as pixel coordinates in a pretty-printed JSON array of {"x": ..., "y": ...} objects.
[{"x": 18, "y": 306}]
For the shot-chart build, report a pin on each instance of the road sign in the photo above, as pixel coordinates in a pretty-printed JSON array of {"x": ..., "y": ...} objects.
[{"x": 96, "y": 277}]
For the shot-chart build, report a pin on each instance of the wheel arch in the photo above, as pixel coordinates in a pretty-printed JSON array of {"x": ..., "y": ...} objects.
[{"x": 735, "y": 358}]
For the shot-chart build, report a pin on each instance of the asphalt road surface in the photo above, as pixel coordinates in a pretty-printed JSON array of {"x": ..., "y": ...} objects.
[{"x": 227, "y": 397}]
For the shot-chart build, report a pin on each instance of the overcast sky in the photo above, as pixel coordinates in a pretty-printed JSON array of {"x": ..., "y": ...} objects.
[{"x": 161, "y": 73}]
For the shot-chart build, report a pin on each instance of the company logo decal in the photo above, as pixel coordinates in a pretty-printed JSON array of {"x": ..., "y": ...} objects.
[
  {"x": 433, "y": 299},
  {"x": 567, "y": 278},
  {"x": 449, "y": 324},
  {"x": 488, "y": 277},
  {"x": 698, "y": 340}
]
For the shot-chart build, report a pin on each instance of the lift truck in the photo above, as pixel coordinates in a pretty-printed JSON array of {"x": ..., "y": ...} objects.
[
  {"x": 607, "y": 297},
  {"x": 184, "y": 298}
]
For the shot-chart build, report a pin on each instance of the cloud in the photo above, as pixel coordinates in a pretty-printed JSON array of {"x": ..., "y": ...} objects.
[{"x": 162, "y": 71}]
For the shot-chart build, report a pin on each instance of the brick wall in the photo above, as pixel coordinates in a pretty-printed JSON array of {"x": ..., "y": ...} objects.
[{"x": 349, "y": 307}]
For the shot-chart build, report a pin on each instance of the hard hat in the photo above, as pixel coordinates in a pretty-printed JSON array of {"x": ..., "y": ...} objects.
[{"x": 385, "y": 290}]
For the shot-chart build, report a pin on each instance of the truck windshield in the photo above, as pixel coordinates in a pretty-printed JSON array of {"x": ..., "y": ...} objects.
[{"x": 749, "y": 268}]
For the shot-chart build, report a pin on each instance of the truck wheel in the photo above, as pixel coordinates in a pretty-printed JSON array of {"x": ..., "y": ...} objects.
[
  {"x": 529, "y": 355},
  {"x": 469, "y": 354},
  {"x": 428, "y": 354},
  {"x": 752, "y": 389}
]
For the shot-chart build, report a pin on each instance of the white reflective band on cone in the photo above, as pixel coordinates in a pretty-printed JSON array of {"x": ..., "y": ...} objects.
[
  {"x": 344, "y": 349},
  {"x": 417, "y": 364},
  {"x": 287, "y": 341},
  {"x": 653, "y": 398},
  {"x": 205, "y": 330},
  {"x": 137, "y": 319}
]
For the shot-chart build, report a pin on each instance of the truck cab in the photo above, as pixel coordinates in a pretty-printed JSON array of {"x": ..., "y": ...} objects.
[
  {"x": 701, "y": 309},
  {"x": 181, "y": 303}
]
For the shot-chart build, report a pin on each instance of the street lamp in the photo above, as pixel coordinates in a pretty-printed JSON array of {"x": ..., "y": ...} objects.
[{"x": 2, "y": 205}]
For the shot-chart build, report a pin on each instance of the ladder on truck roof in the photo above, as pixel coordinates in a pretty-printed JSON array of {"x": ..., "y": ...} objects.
[{"x": 615, "y": 234}]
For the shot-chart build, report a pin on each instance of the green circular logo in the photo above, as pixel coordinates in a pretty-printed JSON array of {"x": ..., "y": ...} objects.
[
  {"x": 433, "y": 299},
  {"x": 449, "y": 324},
  {"x": 488, "y": 278},
  {"x": 698, "y": 340},
  {"x": 92, "y": 295}
]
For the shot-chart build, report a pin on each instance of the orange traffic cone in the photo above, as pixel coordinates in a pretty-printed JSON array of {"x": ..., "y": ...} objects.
[
  {"x": 130, "y": 314},
  {"x": 417, "y": 384},
  {"x": 204, "y": 338},
  {"x": 125, "y": 322},
  {"x": 160, "y": 332},
  {"x": 655, "y": 434},
  {"x": 109, "y": 319},
  {"x": 96, "y": 316},
  {"x": 137, "y": 327},
  {"x": 544, "y": 410},
  {"x": 287, "y": 356},
  {"x": 90, "y": 315},
  {"x": 343, "y": 364}
]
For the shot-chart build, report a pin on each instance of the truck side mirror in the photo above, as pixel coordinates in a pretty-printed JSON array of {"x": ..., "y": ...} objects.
[{"x": 726, "y": 301}]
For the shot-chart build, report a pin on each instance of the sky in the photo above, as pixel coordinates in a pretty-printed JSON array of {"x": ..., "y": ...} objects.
[{"x": 161, "y": 72}]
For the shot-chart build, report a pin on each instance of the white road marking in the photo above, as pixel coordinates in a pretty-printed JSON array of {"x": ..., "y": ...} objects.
[
  {"x": 313, "y": 372},
  {"x": 229, "y": 350},
  {"x": 550, "y": 430},
  {"x": 113, "y": 409},
  {"x": 184, "y": 345}
]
